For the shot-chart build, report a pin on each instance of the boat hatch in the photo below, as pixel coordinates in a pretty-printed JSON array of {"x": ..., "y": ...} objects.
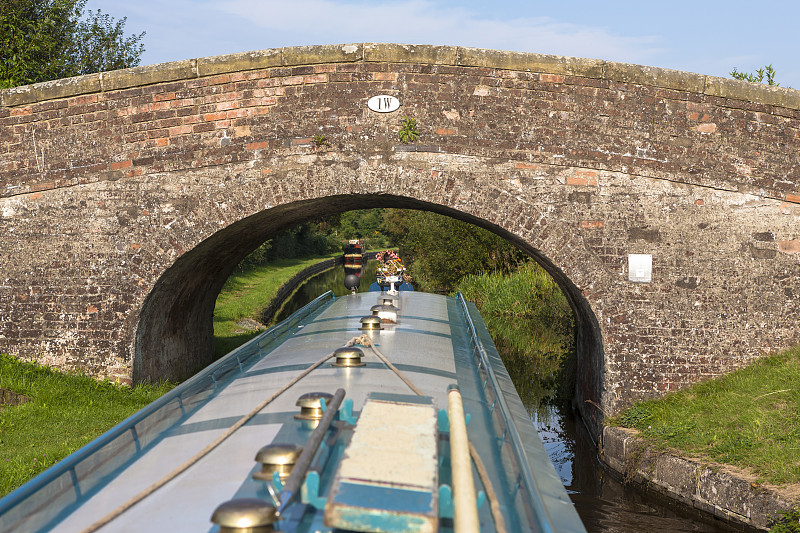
[{"x": 387, "y": 480}]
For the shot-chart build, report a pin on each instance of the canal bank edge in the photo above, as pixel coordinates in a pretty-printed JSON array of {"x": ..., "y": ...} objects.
[
  {"x": 720, "y": 490},
  {"x": 287, "y": 289}
]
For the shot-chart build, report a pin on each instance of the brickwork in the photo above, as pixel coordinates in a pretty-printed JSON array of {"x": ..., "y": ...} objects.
[{"x": 126, "y": 198}]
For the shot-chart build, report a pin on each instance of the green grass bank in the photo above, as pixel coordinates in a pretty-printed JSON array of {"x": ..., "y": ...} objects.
[
  {"x": 532, "y": 325},
  {"x": 245, "y": 296},
  {"x": 749, "y": 418},
  {"x": 63, "y": 413}
]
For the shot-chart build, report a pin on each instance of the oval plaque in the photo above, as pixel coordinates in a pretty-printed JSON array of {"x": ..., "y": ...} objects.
[{"x": 383, "y": 103}]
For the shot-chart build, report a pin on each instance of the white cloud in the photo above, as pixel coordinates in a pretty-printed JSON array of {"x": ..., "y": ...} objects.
[{"x": 423, "y": 22}]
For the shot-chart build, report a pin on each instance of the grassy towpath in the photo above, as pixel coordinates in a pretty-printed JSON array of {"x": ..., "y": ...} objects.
[
  {"x": 245, "y": 296},
  {"x": 63, "y": 412},
  {"x": 749, "y": 418}
]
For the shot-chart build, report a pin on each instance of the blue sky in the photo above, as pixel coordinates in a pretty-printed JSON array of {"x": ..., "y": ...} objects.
[{"x": 708, "y": 37}]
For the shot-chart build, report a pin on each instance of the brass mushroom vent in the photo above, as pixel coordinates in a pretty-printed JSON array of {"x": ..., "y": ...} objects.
[
  {"x": 386, "y": 312},
  {"x": 370, "y": 323},
  {"x": 310, "y": 405},
  {"x": 278, "y": 458},
  {"x": 389, "y": 300},
  {"x": 245, "y": 515},
  {"x": 348, "y": 356}
]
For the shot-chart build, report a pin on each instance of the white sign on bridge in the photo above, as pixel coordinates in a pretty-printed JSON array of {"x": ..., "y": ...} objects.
[{"x": 383, "y": 103}]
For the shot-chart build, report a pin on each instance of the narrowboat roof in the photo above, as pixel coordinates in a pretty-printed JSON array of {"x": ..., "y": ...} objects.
[{"x": 436, "y": 344}]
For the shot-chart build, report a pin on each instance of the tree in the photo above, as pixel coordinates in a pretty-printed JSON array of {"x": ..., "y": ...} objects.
[
  {"x": 758, "y": 76},
  {"x": 44, "y": 40},
  {"x": 440, "y": 250}
]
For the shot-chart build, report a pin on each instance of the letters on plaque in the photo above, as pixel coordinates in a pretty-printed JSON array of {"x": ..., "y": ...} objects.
[{"x": 383, "y": 103}]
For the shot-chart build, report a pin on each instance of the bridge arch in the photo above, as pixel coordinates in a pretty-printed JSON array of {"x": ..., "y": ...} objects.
[
  {"x": 174, "y": 335},
  {"x": 114, "y": 186}
]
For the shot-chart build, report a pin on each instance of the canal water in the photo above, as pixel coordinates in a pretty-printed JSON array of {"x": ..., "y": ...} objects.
[
  {"x": 603, "y": 503},
  {"x": 330, "y": 280}
]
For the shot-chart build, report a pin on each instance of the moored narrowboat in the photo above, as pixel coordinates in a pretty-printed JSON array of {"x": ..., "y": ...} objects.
[{"x": 354, "y": 257}]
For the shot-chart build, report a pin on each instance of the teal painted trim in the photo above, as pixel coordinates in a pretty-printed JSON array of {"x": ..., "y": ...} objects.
[
  {"x": 351, "y": 330},
  {"x": 354, "y": 317},
  {"x": 382, "y": 522},
  {"x": 443, "y": 423},
  {"x": 261, "y": 419},
  {"x": 310, "y": 493},
  {"x": 370, "y": 366},
  {"x": 346, "y": 412},
  {"x": 425, "y": 319},
  {"x": 446, "y": 507},
  {"x": 379, "y": 499},
  {"x": 400, "y": 398}
]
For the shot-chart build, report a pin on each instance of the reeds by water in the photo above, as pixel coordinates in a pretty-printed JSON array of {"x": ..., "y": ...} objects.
[{"x": 532, "y": 326}]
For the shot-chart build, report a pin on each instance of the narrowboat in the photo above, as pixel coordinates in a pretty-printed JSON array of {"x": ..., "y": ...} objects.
[
  {"x": 390, "y": 274},
  {"x": 354, "y": 257},
  {"x": 370, "y": 412}
]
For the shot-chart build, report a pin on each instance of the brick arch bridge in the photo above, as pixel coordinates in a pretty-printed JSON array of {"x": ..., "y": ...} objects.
[{"x": 126, "y": 198}]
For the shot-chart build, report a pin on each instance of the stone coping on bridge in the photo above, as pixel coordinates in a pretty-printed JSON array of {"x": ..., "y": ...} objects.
[{"x": 456, "y": 56}]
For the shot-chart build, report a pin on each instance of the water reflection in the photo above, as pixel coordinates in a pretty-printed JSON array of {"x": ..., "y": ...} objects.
[
  {"x": 330, "y": 280},
  {"x": 544, "y": 382},
  {"x": 543, "y": 378},
  {"x": 603, "y": 503}
]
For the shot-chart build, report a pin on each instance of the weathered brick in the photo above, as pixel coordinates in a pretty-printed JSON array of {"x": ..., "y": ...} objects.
[
  {"x": 581, "y": 181},
  {"x": 551, "y": 78},
  {"x": 789, "y": 247},
  {"x": 211, "y": 117},
  {"x": 293, "y": 80},
  {"x": 227, "y": 105},
  {"x": 200, "y": 128},
  {"x": 121, "y": 164},
  {"x": 180, "y": 130},
  {"x": 384, "y": 76},
  {"x": 236, "y": 113},
  {"x": 316, "y": 78},
  {"x": 706, "y": 128},
  {"x": 173, "y": 163}
]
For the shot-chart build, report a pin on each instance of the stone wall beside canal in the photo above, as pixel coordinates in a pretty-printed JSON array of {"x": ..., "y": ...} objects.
[{"x": 721, "y": 490}]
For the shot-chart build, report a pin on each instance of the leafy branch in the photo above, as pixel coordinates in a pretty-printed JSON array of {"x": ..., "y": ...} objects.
[
  {"x": 50, "y": 39},
  {"x": 758, "y": 76}
]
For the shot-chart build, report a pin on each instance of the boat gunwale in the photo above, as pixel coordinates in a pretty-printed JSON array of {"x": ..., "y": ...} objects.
[
  {"x": 69, "y": 463},
  {"x": 493, "y": 365}
]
